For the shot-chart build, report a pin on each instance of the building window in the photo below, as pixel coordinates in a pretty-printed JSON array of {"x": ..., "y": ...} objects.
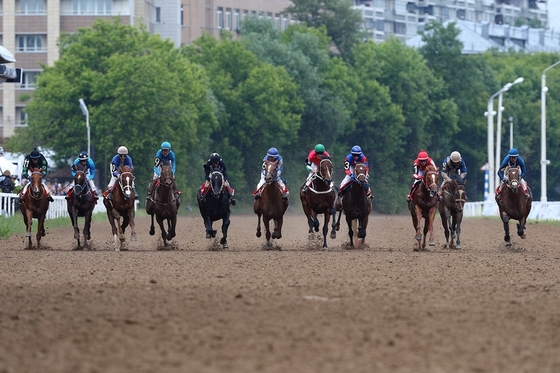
[
  {"x": 369, "y": 23},
  {"x": 219, "y": 18},
  {"x": 29, "y": 79},
  {"x": 285, "y": 22},
  {"x": 245, "y": 14},
  {"x": 236, "y": 20},
  {"x": 30, "y": 43},
  {"x": 277, "y": 22},
  {"x": 92, "y": 7},
  {"x": 30, "y": 6},
  {"x": 158, "y": 14},
  {"x": 21, "y": 117},
  {"x": 228, "y": 18}
]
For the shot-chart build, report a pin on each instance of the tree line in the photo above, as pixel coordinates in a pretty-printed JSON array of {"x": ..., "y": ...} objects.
[{"x": 288, "y": 89}]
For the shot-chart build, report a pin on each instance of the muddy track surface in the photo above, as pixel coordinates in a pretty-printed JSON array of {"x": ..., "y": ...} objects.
[{"x": 196, "y": 308}]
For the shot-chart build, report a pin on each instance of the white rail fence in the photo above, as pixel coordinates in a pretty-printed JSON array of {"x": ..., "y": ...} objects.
[{"x": 540, "y": 210}]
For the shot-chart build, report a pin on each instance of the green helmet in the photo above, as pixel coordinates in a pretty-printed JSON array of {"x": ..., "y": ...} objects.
[{"x": 319, "y": 148}]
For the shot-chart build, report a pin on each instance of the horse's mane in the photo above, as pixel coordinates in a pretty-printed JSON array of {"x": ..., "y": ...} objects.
[
  {"x": 431, "y": 168},
  {"x": 126, "y": 168}
]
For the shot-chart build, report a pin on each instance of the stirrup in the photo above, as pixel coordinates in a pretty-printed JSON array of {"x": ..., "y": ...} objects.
[
  {"x": 408, "y": 199},
  {"x": 232, "y": 201},
  {"x": 51, "y": 199}
]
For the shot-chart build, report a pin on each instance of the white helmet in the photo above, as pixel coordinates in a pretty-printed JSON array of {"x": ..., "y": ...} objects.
[
  {"x": 122, "y": 150},
  {"x": 455, "y": 157}
]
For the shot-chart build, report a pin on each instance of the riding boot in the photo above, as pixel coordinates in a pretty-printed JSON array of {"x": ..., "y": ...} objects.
[
  {"x": 50, "y": 198},
  {"x": 135, "y": 193},
  {"x": 110, "y": 195},
  {"x": 408, "y": 199},
  {"x": 232, "y": 200},
  {"x": 95, "y": 195},
  {"x": 369, "y": 195}
]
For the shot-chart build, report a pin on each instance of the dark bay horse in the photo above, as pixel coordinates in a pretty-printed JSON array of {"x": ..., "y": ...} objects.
[
  {"x": 356, "y": 205},
  {"x": 164, "y": 204},
  {"x": 215, "y": 206},
  {"x": 451, "y": 211},
  {"x": 319, "y": 199},
  {"x": 35, "y": 205},
  {"x": 423, "y": 204},
  {"x": 81, "y": 204},
  {"x": 271, "y": 205},
  {"x": 514, "y": 204},
  {"x": 122, "y": 205}
]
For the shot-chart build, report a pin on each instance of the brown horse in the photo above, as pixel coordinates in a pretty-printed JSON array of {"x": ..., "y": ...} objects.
[
  {"x": 164, "y": 204},
  {"x": 270, "y": 205},
  {"x": 319, "y": 199},
  {"x": 514, "y": 204},
  {"x": 356, "y": 205},
  {"x": 81, "y": 204},
  {"x": 35, "y": 205},
  {"x": 451, "y": 211},
  {"x": 423, "y": 204},
  {"x": 122, "y": 205}
]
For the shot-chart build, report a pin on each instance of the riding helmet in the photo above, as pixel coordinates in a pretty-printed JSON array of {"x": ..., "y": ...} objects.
[
  {"x": 122, "y": 150},
  {"x": 272, "y": 153},
  {"x": 165, "y": 146},
  {"x": 319, "y": 148},
  {"x": 35, "y": 154},
  {"x": 513, "y": 152},
  {"x": 215, "y": 158},
  {"x": 83, "y": 156},
  {"x": 455, "y": 157},
  {"x": 423, "y": 155},
  {"x": 356, "y": 150}
]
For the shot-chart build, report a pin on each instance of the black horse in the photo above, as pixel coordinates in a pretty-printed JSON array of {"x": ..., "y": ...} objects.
[
  {"x": 451, "y": 211},
  {"x": 215, "y": 206},
  {"x": 81, "y": 203}
]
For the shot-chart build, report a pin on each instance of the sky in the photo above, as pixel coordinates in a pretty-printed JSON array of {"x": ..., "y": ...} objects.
[{"x": 554, "y": 15}]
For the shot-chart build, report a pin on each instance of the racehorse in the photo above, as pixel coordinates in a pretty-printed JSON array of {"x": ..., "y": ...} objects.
[
  {"x": 81, "y": 204},
  {"x": 423, "y": 204},
  {"x": 164, "y": 204},
  {"x": 35, "y": 205},
  {"x": 122, "y": 205},
  {"x": 270, "y": 205},
  {"x": 356, "y": 205},
  {"x": 319, "y": 199},
  {"x": 451, "y": 210},
  {"x": 514, "y": 204},
  {"x": 215, "y": 206}
]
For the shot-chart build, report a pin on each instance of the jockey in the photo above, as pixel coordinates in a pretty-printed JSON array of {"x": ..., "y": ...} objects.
[
  {"x": 273, "y": 155},
  {"x": 420, "y": 164},
  {"x": 121, "y": 159},
  {"x": 34, "y": 160},
  {"x": 87, "y": 162},
  {"x": 163, "y": 154},
  {"x": 455, "y": 165},
  {"x": 512, "y": 159},
  {"x": 215, "y": 163},
  {"x": 356, "y": 156},
  {"x": 312, "y": 163}
]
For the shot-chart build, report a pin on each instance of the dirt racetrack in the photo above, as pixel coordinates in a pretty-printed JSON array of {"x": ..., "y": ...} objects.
[{"x": 381, "y": 308}]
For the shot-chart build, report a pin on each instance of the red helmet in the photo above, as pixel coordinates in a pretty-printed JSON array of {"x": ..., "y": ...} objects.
[{"x": 423, "y": 155}]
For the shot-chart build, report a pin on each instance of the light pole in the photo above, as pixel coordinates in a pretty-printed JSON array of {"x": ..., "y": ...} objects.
[
  {"x": 499, "y": 127},
  {"x": 510, "y": 132},
  {"x": 544, "y": 161},
  {"x": 86, "y": 113}
]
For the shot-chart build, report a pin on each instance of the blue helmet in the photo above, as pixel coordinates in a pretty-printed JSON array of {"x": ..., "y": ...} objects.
[
  {"x": 272, "y": 153},
  {"x": 83, "y": 156},
  {"x": 35, "y": 154},
  {"x": 513, "y": 152},
  {"x": 165, "y": 146},
  {"x": 356, "y": 150}
]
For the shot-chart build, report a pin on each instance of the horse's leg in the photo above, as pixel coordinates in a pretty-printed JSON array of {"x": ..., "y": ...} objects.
[
  {"x": 161, "y": 224},
  {"x": 350, "y": 230},
  {"x": 28, "y": 217},
  {"x": 335, "y": 224},
  {"x": 505, "y": 221},
  {"x": 210, "y": 232},
  {"x": 266, "y": 223},
  {"x": 259, "y": 225},
  {"x": 431, "y": 216},
  {"x": 458, "y": 229},
  {"x": 453, "y": 228},
  {"x": 172, "y": 224},
  {"x": 225, "y": 226},
  {"x": 40, "y": 230},
  {"x": 417, "y": 220},
  {"x": 521, "y": 228},
  {"x": 279, "y": 224},
  {"x": 131, "y": 223},
  {"x": 362, "y": 228},
  {"x": 152, "y": 226},
  {"x": 326, "y": 229}
]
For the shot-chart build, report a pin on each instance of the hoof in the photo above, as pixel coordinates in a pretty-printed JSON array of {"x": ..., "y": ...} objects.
[
  {"x": 152, "y": 232},
  {"x": 524, "y": 236},
  {"x": 208, "y": 235},
  {"x": 432, "y": 243},
  {"x": 133, "y": 238}
]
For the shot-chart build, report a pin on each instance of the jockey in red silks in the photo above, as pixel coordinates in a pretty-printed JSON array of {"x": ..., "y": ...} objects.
[
  {"x": 273, "y": 155},
  {"x": 312, "y": 163},
  {"x": 420, "y": 164},
  {"x": 215, "y": 163},
  {"x": 350, "y": 161}
]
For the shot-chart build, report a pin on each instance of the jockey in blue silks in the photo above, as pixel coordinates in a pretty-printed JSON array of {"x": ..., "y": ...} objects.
[
  {"x": 273, "y": 155},
  {"x": 512, "y": 159},
  {"x": 350, "y": 161},
  {"x": 121, "y": 159},
  {"x": 164, "y": 154},
  {"x": 84, "y": 160}
]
